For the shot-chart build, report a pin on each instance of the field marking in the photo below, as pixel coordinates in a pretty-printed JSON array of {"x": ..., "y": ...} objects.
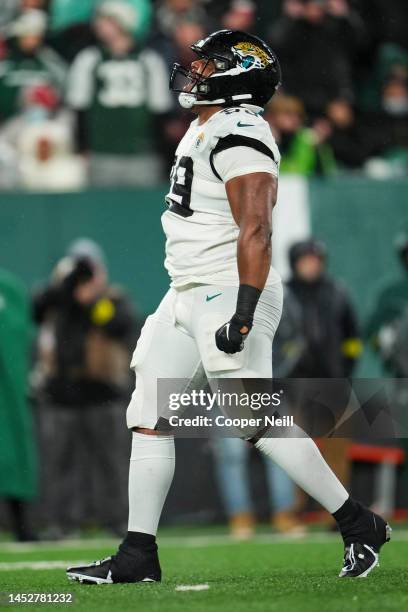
[
  {"x": 37, "y": 565},
  {"x": 56, "y": 544},
  {"x": 165, "y": 542},
  {"x": 202, "y": 541},
  {"x": 192, "y": 587}
]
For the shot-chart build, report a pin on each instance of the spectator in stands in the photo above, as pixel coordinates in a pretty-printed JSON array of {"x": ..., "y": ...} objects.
[
  {"x": 351, "y": 139},
  {"x": 388, "y": 128},
  {"x": 304, "y": 150},
  {"x": 329, "y": 320},
  {"x": 36, "y": 146},
  {"x": 328, "y": 339},
  {"x": 71, "y": 27},
  {"x": 176, "y": 46},
  {"x": 121, "y": 96},
  {"x": 386, "y": 321},
  {"x": 177, "y": 24},
  {"x": 232, "y": 459},
  {"x": 28, "y": 62},
  {"x": 8, "y": 12},
  {"x": 26, "y": 5},
  {"x": 182, "y": 37},
  {"x": 387, "y": 331},
  {"x": 395, "y": 120},
  {"x": 316, "y": 41},
  {"x": 82, "y": 388},
  {"x": 386, "y": 21},
  {"x": 170, "y": 13},
  {"x": 18, "y": 483},
  {"x": 240, "y": 15}
]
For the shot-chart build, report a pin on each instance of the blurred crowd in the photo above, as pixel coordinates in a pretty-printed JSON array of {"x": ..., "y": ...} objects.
[
  {"x": 84, "y": 96},
  {"x": 64, "y": 390},
  {"x": 77, "y": 383}
]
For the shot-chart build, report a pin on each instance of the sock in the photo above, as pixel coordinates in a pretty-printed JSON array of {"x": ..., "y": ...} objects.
[
  {"x": 137, "y": 539},
  {"x": 302, "y": 461},
  {"x": 137, "y": 558},
  {"x": 348, "y": 511},
  {"x": 357, "y": 524},
  {"x": 151, "y": 472},
  {"x": 347, "y": 520}
]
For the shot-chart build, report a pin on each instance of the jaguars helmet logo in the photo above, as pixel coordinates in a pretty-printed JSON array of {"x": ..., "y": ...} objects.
[{"x": 251, "y": 56}]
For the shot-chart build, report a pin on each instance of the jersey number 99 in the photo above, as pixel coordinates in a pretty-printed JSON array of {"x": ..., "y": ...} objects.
[{"x": 181, "y": 178}]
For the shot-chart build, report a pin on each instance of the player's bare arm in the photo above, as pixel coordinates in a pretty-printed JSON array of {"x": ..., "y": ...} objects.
[{"x": 252, "y": 198}]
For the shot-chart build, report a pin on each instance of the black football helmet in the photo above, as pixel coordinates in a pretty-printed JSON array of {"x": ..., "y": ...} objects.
[{"x": 246, "y": 71}]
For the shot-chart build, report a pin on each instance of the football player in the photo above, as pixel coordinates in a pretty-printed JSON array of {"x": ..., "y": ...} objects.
[{"x": 224, "y": 304}]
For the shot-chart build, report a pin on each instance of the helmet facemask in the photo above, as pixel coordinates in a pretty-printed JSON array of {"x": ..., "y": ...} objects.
[{"x": 194, "y": 87}]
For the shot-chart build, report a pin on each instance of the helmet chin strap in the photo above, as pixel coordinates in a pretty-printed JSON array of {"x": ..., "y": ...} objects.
[{"x": 188, "y": 100}]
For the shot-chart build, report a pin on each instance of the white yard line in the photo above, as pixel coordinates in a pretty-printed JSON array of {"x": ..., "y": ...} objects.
[
  {"x": 192, "y": 587},
  {"x": 38, "y": 565},
  {"x": 55, "y": 545}
]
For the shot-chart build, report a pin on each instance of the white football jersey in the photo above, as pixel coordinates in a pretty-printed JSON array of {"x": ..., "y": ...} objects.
[{"x": 201, "y": 245}]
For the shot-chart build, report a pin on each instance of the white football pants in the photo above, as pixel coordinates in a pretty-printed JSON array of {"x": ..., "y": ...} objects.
[{"x": 178, "y": 341}]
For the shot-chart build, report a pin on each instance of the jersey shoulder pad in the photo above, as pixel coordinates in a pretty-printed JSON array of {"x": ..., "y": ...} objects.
[
  {"x": 241, "y": 127},
  {"x": 231, "y": 120}
]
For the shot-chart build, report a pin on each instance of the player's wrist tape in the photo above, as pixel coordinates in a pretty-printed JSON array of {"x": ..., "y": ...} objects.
[{"x": 247, "y": 301}]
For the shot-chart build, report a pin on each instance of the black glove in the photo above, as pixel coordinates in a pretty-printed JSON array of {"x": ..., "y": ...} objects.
[{"x": 231, "y": 336}]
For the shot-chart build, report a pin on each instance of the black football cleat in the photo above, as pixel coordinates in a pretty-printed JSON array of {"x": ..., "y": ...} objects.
[
  {"x": 363, "y": 540},
  {"x": 138, "y": 565}
]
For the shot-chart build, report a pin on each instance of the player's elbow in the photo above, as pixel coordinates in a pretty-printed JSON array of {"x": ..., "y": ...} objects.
[
  {"x": 263, "y": 234},
  {"x": 259, "y": 231}
]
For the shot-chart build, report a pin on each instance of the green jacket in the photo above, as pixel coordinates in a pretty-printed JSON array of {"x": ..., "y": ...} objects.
[
  {"x": 305, "y": 158},
  {"x": 19, "y": 71},
  {"x": 119, "y": 97},
  {"x": 17, "y": 450}
]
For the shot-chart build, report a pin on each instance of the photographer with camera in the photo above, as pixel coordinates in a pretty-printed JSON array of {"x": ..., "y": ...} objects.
[{"x": 81, "y": 382}]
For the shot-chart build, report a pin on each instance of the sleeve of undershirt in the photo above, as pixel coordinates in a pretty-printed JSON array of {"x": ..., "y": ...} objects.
[{"x": 238, "y": 161}]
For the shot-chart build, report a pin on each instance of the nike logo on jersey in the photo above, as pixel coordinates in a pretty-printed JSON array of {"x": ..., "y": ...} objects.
[
  {"x": 211, "y": 297},
  {"x": 239, "y": 124}
]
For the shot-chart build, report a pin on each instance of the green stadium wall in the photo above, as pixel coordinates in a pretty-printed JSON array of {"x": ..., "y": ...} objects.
[
  {"x": 36, "y": 229},
  {"x": 357, "y": 218}
]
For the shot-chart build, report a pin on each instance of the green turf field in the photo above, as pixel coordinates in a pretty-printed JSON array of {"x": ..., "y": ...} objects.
[{"x": 266, "y": 574}]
